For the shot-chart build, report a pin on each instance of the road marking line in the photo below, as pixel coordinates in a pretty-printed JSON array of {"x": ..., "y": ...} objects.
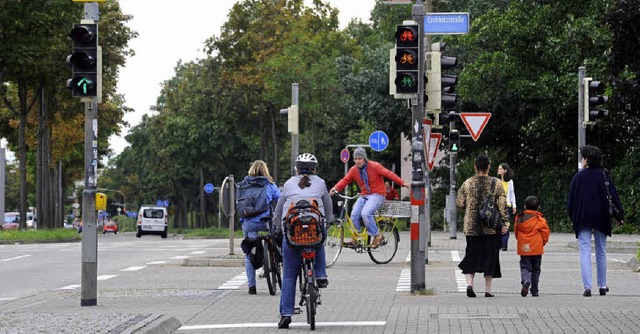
[
  {"x": 15, "y": 258},
  {"x": 234, "y": 283},
  {"x": 179, "y": 257},
  {"x": 408, "y": 259},
  {"x": 404, "y": 282},
  {"x": 198, "y": 252},
  {"x": 461, "y": 281},
  {"x": 294, "y": 324},
  {"x": 133, "y": 268},
  {"x": 106, "y": 277},
  {"x": 8, "y": 298},
  {"x": 455, "y": 256},
  {"x": 69, "y": 287},
  {"x": 157, "y": 262}
]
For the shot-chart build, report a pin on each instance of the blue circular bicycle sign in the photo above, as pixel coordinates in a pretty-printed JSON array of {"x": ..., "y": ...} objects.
[
  {"x": 208, "y": 188},
  {"x": 378, "y": 141}
]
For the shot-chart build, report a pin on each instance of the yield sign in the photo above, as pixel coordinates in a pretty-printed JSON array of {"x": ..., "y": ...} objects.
[
  {"x": 434, "y": 144},
  {"x": 475, "y": 122}
]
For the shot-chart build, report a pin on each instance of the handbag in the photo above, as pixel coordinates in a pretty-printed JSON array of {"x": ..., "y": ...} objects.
[
  {"x": 488, "y": 211},
  {"x": 614, "y": 211}
]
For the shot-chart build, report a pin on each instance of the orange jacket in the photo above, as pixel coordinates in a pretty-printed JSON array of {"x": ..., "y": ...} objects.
[{"x": 532, "y": 232}]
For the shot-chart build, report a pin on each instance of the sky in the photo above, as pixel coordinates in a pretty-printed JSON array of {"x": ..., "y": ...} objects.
[{"x": 170, "y": 31}]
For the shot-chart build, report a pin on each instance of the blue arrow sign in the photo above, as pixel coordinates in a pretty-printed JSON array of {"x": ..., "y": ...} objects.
[
  {"x": 446, "y": 23},
  {"x": 208, "y": 188},
  {"x": 378, "y": 141}
]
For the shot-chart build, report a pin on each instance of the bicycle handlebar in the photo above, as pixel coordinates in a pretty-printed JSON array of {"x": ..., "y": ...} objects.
[{"x": 344, "y": 196}]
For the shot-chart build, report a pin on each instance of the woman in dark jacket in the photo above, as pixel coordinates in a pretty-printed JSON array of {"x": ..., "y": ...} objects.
[{"x": 588, "y": 208}]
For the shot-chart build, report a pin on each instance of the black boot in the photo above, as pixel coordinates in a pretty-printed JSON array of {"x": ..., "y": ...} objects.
[{"x": 284, "y": 322}]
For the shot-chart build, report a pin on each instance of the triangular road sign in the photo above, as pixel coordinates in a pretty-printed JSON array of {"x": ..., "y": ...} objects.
[
  {"x": 475, "y": 122},
  {"x": 434, "y": 144}
]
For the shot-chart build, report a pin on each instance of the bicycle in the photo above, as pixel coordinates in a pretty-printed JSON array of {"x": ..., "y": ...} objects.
[
  {"x": 387, "y": 225},
  {"x": 309, "y": 289},
  {"x": 271, "y": 262},
  {"x": 306, "y": 233}
]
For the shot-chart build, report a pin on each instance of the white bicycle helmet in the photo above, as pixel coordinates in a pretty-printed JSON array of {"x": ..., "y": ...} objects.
[{"x": 306, "y": 162}]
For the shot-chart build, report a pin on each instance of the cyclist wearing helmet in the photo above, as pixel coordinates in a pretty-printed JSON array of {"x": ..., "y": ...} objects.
[
  {"x": 305, "y": 185},
  {"x": 369, "y": 175}
]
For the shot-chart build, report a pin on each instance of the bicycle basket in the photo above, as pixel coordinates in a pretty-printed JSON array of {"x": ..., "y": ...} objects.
[
  {"x": 395, "y": 209},
  {"x": 304, "y": 231}
]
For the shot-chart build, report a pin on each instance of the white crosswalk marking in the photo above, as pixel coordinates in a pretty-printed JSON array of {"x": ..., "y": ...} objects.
[
  {"x": 234, "y": 283},
  {"x": 404, "y": 282},
  {"x": 106, "y": 277},
  {"x": 133, "y": 268}
]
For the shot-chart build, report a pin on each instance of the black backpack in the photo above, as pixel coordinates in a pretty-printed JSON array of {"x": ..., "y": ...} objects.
[
  {"x": 488, "y": 212},
  {"x": 251, "y": 198}
]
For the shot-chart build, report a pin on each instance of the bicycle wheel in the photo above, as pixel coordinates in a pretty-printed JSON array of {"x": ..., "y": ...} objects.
[
  {"x": 389, "y": 246},
  {"x": 333, "y": 244},
  {"x": 276, "y": 265},
  {"x": 266, "y": 266},
  {"x": 311, "y": 306}
]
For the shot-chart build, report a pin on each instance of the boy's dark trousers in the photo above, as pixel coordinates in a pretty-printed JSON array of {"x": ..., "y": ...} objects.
[{"x": 530, "y": 271}]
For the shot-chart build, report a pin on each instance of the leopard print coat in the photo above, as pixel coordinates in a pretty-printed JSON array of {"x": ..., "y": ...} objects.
[{"x": 471, "y": 194}]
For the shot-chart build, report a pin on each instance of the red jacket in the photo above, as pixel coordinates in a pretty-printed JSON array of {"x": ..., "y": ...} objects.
[
  {"x": 376, "y": 173},
  {"x": 532, "y": 232}
]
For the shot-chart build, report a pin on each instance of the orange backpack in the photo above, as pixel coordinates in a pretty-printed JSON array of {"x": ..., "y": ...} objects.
[{"x": 304, "y": 224}]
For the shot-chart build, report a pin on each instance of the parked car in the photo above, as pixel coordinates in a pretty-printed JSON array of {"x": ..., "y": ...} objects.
[
  {"x": 110, "y": 226},
  {"x": 31, "y": 220},
  {"x": 11, "y": 221}
]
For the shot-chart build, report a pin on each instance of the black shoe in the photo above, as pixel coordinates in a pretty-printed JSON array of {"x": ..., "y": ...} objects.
[
  {"x": 504, "y": 249},
  {"x": 470, "y": 292},
  {"x": 488, "y": 294},
  {"x": 322, "y": 282},
  {"x": 587, "y": 293},
  {"x": 603, "y": 291},
  {"x": 252, "y": 290},
  {"x": 284, "y": 322},
  {"x": 525, "y": 289},
  {"x": 534, "y": 294}
]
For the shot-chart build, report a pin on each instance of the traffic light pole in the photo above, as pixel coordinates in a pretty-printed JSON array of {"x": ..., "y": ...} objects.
[
  {"x": 89, "y": 271},
  {"x": 453, "y": 157},
  {"x": 582, "y": 136},
  {"x": 419, "y": 174}
]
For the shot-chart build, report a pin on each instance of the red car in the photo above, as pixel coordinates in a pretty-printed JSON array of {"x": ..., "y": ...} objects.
[
  {"x": 110, "y": 226},
  {"x": 11, "y": 221}
]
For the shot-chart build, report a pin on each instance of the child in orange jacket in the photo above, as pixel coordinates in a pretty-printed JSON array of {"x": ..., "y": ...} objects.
[{"x": 532, "y": 232}]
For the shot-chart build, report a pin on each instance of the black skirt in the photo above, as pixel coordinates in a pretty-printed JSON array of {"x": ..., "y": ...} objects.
[{"x": 482, "y": 255}]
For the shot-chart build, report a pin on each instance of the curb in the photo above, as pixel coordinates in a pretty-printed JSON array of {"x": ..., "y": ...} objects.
[
  {"x": 216, "y": 261},
  {"x": 634, "y": 264},
  {"x": 161, "y": 325}
]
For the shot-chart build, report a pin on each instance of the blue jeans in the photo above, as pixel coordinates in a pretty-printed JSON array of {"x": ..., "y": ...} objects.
[
  {"x": 365, "y": 207},
  {"x": 505, "y": 237},
  {"x": 584, "y": 242},
  {"x": 250, "y": 230},
  {"x": 291, "y": 259}
]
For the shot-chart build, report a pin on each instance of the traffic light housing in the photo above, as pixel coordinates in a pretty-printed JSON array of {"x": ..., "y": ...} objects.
[
  {"x": 85, "y": 61},
  {"x": 592, "y": 99},
  {"x": 407, "y": 59},
  {"x": 454, "y": 140},
  {"x": 440, "y": 87}
]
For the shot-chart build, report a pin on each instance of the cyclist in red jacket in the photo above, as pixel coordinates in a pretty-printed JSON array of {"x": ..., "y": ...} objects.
[{"x": 369, "y": 175}]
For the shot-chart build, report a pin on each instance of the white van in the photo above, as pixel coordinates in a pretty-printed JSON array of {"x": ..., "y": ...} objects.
[{"x": 152, "y": 219}]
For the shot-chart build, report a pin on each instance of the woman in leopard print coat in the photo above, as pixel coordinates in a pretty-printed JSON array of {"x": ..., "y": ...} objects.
[{"x": 482, "y": 253}]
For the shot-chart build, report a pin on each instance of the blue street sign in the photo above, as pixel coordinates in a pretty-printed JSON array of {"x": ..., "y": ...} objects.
[
  {"x": 166, "y": 203},
  {"x": 378, "y": 141},
  {"x": 446, "y": 23},
  {"x": 159, "y": 202},
  {"x": 208, "y": 188}
]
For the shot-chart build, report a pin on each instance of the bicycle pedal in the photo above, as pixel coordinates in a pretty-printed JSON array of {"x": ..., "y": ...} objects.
[{"x": 297, "y": 310}]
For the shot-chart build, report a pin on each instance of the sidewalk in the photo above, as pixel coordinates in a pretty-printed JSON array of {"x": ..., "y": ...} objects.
[{"x": 560, "y": 307}]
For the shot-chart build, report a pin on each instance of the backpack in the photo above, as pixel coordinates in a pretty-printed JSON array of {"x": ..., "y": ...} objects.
[
  {"x": 488, "y": 211},
  {"x": 254, "y": 250},
  {"x": 304, "y": 224},
  {"x": 251, "y": 199}
]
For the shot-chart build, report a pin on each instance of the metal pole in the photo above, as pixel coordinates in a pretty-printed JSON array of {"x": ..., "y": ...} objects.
[
  {"x": 294, "y": 135},
  {"x": 582, "y": 136},
  {"x": 232, "y": 212},
  {"x": 89, "y": 272},
  {"x": 453, "y": 157},
  {"x": 419, "y": 172},
  {"x": 3, "y": 182}
]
